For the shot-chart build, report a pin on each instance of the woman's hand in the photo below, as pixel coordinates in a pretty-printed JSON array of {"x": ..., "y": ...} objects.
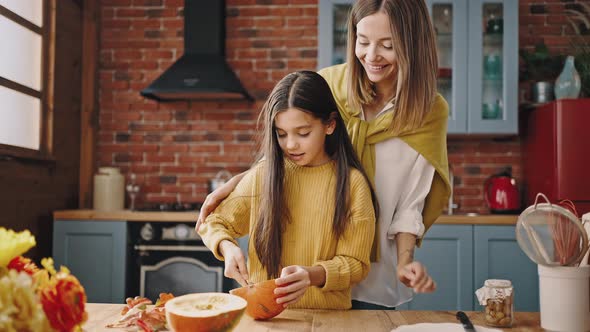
[
  {"x": 414, "y": 275},
  {"x": 213, "y": 200},
  {"x": 292, "y": 284},
  {"x": 235, "y": 263}
]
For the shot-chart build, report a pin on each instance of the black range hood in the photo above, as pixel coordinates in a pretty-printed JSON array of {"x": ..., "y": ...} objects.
[{"x": 202, "y": 72}]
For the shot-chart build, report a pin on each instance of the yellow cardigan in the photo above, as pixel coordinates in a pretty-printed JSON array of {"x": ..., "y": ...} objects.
[
  {"x": 308, "y": 238},
  {"x": 428, "y": 140}
]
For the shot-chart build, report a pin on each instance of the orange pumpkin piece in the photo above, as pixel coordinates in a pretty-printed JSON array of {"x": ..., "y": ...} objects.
[
  {"x": 261, "y": 299},
  {"x": 163, "y": 298},
  {"x": 133, "y": 302},
  {"x": 204, "y": 312}
]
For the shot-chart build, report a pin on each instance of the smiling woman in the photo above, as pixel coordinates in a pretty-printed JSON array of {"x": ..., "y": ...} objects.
[
  {"x": 26, "y": 68},
  {"x": 374, "y": 49}
]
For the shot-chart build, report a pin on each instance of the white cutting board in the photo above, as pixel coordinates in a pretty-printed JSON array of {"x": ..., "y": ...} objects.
[{"x": 440, "y": 327}]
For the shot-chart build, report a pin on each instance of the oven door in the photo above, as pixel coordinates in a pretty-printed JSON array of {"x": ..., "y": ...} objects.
[{"x": 176, "y": 269}]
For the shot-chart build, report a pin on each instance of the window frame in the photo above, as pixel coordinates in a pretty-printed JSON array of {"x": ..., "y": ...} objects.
[{"x": 45, "y": 95}]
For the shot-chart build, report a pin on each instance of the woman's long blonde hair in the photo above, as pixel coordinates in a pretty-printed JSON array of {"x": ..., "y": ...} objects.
[{"x": 414, "y": 43}]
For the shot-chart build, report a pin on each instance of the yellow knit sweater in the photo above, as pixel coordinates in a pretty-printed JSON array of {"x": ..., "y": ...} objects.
[{"x": 308, "y": 239}]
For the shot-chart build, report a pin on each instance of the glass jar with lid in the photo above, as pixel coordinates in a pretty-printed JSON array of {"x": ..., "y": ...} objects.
[{"x": 497, "y": 297}]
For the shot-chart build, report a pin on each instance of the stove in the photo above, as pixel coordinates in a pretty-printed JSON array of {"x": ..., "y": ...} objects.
[{"x": 170, "y": 257}]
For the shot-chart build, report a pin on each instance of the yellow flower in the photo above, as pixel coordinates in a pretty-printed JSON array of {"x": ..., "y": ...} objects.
[
  {"x": 20, "y": 308},
  {"x": 13, "y": 244},
  {"x": 47, "y": 263}
]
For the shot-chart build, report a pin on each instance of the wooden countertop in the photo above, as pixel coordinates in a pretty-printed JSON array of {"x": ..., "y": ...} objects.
[
  {"x": 329, "y": 320},
  {"x": 125, "y": 215},
  {"x": 128, "y": 215}
]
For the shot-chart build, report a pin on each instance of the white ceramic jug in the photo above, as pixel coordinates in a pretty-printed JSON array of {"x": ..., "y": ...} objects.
[{"x": 109, "y": 189}]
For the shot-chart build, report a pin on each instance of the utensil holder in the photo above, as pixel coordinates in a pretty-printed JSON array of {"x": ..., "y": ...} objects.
[{"x": 564, "y": 298}]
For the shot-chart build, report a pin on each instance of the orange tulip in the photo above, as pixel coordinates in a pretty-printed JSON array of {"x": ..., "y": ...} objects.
[{"x": 64, "y": 301}]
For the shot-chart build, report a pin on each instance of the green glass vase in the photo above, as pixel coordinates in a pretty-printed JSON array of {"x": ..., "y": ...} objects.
[{"x": 568, "y": 83}]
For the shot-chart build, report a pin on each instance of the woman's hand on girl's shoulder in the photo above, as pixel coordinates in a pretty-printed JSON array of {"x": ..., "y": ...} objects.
[
  {"x": 415, "y": 276},
  {"x": 212, "y": 202},
  {"x": 292, "y": 284},
  {"x": 215, "y": 198}
]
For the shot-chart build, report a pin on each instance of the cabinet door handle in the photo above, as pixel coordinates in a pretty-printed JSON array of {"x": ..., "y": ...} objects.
[{"x": 170, "y": 248}]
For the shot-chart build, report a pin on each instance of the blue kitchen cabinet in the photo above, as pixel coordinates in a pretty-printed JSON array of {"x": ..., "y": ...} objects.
[
  {"x": 95, "y": 252},
  {"x": 461, "y": 257},
  {"x": 447, "y": 253},
  {"x": 498, "y": 256}
]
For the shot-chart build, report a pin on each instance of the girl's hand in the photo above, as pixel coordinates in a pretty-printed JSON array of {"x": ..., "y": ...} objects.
[
  {"x": 414, "y": 275},
  {"x": 292, "y": 284},
  {"x": 235, "y": 263}
]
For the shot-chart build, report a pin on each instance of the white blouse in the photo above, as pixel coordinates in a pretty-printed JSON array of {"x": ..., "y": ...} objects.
[{"x": 403, "y": 178}]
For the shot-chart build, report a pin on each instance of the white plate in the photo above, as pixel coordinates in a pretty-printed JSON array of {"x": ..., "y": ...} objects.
[{"x": 440, "y": 327}]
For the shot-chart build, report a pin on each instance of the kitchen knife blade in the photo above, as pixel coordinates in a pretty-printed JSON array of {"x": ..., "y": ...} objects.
[{"x": 467, "y": 325}]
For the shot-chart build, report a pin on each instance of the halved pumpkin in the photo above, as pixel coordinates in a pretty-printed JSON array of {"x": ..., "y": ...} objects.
[
  {"x": 204, "y": 312},
  {"x": 261, "y": 299}
]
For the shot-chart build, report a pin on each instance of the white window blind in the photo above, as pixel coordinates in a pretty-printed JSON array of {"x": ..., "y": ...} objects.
[
  {"x": 31, "y": 10},
  {"x": 20, "y": 54},
  {"x": 21, "y": 70},
  {"x": 20, "y": 119}
]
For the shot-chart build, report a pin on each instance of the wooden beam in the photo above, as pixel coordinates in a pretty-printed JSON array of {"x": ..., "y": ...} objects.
[
  {"x": 89, "y": 105},
  {"x": 48, "y": 97}
]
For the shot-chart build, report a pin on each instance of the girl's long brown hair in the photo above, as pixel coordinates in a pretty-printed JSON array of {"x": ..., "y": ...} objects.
[
  {"x": 414, "y": 43},
  {"x": 310, "y": 93}
]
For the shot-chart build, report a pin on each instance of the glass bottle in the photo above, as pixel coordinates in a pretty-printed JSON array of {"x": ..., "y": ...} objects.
[
  {"x": 568, "y": 83},
  {"x": 497, "y": 297}
]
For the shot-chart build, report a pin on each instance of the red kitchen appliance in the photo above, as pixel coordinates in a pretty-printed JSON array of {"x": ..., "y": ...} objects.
[
  {"x": 501, "y": 193},
  {"x": 556, "y": 152}
]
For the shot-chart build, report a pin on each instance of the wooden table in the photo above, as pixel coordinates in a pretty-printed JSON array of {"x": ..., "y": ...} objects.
[{"x": 328, "y": 320}]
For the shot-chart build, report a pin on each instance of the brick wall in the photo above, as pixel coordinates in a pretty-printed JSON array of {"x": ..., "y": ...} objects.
[
  {"x": 174, "y": 148},
  {"x": 546, "y": 21}
]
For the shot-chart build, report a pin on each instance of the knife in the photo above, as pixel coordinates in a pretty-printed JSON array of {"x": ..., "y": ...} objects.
[{"x": 467, "y": 325}]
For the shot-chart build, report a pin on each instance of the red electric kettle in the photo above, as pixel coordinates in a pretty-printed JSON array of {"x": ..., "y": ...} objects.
[{"x": 501, "y": 193}]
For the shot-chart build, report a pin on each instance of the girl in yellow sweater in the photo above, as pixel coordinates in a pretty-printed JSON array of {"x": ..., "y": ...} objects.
[{"x": 308, "y": 206}]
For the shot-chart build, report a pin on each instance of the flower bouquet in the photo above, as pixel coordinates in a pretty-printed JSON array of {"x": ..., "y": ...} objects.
[{"x": 33, "y": 298}]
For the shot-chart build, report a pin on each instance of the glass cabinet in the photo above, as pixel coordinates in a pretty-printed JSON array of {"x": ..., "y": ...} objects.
[
  {"x": 450, "y": 25},
  {"x": 332, "y": 31},
  {"x": 493, "y": 66},
  {"x": 477, "y": 44}
]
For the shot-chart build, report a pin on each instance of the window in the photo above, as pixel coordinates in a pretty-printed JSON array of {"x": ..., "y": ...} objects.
[{"x": 26, "y": 67}]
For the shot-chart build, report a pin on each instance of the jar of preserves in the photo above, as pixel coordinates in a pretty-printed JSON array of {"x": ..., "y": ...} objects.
[{"x": 497, "y": 297}]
